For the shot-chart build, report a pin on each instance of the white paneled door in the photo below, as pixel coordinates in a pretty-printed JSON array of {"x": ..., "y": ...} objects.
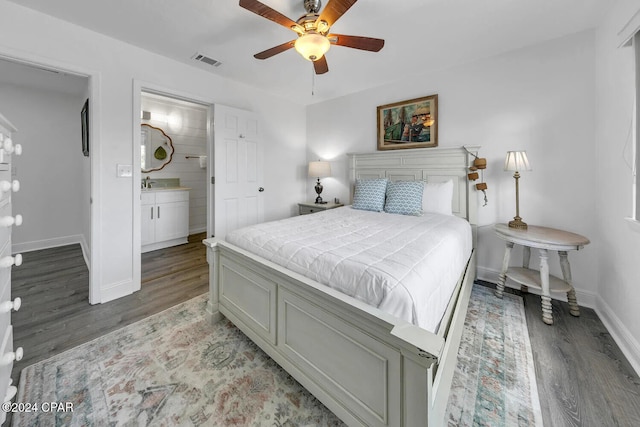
[{"x": 238, "y": 170}]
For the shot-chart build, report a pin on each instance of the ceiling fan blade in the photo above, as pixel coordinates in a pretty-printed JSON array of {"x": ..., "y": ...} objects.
[
  {"x": 320, "y": 65},
  {"x": 274, "y": 50},
  {"x": 269, "y": 13},
  {"x": 356, "y": 42},
  {"x": 334, "y": 10}
]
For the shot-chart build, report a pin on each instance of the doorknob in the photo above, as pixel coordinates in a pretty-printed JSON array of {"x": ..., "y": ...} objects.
[{"x": 261, "y": 189}]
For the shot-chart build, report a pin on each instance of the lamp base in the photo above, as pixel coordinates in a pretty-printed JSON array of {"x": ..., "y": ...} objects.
[
  {"x": 518, "y": 223},
  {"x": 318, "y": 189}
]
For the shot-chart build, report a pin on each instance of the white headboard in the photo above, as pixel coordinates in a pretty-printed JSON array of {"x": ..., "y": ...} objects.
[{"x": 424, "y": 164}]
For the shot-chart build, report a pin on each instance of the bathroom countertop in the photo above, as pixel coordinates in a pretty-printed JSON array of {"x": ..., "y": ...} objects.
[{"x": 154, "y": 189}]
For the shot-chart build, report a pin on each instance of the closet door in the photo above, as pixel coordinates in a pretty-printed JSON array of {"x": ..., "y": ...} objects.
[{"x": 238, "y": 170}]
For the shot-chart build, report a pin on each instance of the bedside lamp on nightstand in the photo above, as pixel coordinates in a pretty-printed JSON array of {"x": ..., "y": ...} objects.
[
  {"x": 517, "y": 161},
  {"x": 319, "y": 170}
]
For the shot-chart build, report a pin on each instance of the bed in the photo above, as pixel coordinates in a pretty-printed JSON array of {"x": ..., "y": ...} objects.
[{"x": 370, "y": 367}]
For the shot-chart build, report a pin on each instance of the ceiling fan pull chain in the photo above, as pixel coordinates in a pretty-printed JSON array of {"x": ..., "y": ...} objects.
[{"x": 313, "y": 80}]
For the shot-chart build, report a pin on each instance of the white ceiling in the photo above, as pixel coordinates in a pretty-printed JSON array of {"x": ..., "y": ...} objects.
[{"x": 420, "y": 35}]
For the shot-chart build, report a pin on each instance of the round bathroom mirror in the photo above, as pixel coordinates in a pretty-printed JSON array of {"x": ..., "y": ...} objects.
[{"x": 156, "y": 148}]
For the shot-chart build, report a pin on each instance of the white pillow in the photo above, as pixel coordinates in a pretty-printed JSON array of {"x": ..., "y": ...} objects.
[{"x": 437, "y": 197}]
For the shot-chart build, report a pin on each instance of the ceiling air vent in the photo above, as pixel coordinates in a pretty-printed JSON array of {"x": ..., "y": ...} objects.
[{"x": 203, "y": 58}]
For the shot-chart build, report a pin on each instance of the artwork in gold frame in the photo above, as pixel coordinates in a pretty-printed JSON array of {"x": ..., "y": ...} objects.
[{"x": 408, "y": 124}]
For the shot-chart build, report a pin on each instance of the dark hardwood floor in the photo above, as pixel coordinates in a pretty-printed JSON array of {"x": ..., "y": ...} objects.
[
  {"x": 54, "y": 287},
  {"x": 583, "y": 378}
]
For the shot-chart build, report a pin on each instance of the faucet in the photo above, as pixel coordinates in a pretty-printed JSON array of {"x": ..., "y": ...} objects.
[{"x": 147, "y": 182}]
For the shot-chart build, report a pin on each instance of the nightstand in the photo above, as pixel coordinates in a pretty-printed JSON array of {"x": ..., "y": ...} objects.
[
  {"x": 308, "y": 208},
  {"x": 543, "y": 239}
]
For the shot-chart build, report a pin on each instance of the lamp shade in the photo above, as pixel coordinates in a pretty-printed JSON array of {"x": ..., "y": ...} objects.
[
  {"x": 312, "y": 45},
  {"x": 319, "y": 169},
  {"x": 517, "y": 161}
]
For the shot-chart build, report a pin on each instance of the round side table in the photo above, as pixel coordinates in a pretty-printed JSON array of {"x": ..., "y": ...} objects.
[{"x": 544, "y": 239}]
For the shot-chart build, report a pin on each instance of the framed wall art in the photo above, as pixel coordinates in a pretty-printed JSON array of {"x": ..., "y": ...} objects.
[
  {"x": 408, "y": 124},
  {"x": 84, "y": 122}
]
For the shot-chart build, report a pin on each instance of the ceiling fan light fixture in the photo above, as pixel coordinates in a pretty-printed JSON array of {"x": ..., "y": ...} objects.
[{"x": 312, "y": 46}]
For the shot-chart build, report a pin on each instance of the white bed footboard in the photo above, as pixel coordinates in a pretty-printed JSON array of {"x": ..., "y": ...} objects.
[{"x": 369, "y": 368}]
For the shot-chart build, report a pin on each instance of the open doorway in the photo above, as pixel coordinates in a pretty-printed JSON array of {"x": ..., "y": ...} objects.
[
  {"x": 174, "y": 163},
  {"x": 54, "y": 173}
]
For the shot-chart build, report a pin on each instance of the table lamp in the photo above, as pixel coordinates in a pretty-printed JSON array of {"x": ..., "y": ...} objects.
[
  {"x": 517, "y": 161},
  {"x": 319, "y": 170}
]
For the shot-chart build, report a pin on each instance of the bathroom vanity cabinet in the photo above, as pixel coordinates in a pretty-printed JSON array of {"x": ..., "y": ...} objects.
[{"x": 165, "y": 218}]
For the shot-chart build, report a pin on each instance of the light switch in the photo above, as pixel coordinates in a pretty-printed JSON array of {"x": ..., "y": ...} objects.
[{"x": 124, "y": 171}]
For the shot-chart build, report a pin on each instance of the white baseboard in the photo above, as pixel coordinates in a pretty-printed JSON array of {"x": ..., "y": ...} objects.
[
  {"x": 487, "y": 274},
  {"x": 620, "y": 334},
  {"x": 86, "y": 252},
  {"x": 198, "y": 230},
  {"x": 585, "y": 298},
  {"x": 164, "y": 244},
  {"x": 54, "y": 243},
  {"x": 116, "y": 290}
]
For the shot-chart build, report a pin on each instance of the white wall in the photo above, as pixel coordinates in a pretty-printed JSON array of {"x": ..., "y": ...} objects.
[
  {"x": 114, "y": 65},
  {"x": 51, "y": 169},
  {"x": 188, "y": 132},
  {"x": 618, "y": 272},
  {"x": 540, "y": 99}
]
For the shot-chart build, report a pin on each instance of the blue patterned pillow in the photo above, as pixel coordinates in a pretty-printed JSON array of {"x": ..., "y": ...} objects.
[
  {"x": 404, "y": 197},
  {"x": 369, "y": 194}
]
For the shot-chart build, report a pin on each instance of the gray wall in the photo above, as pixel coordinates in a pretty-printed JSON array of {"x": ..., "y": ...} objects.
[{"x": 53, "y": 173}]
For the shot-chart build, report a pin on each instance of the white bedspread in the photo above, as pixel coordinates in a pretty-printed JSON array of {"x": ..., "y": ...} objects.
[{"x": 406, "y": 266}]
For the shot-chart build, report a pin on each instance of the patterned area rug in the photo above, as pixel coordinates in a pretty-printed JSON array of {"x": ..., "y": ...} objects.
[
  {"x": 495, "y": 380},
  {"x": 175, "y": 369}
]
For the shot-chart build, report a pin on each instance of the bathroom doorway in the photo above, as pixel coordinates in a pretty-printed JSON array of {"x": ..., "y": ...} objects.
[{"x": 173, "y": 169}]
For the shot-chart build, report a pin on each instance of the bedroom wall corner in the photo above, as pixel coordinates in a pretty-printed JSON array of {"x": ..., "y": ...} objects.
[{"x": 619, "y": 245}]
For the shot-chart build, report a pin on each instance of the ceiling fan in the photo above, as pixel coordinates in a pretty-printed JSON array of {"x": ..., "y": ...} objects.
[{"x": 314, "y": 39}]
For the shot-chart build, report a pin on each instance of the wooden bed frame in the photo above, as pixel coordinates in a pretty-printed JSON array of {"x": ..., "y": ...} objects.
[{"x": 368, "y": 367}]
